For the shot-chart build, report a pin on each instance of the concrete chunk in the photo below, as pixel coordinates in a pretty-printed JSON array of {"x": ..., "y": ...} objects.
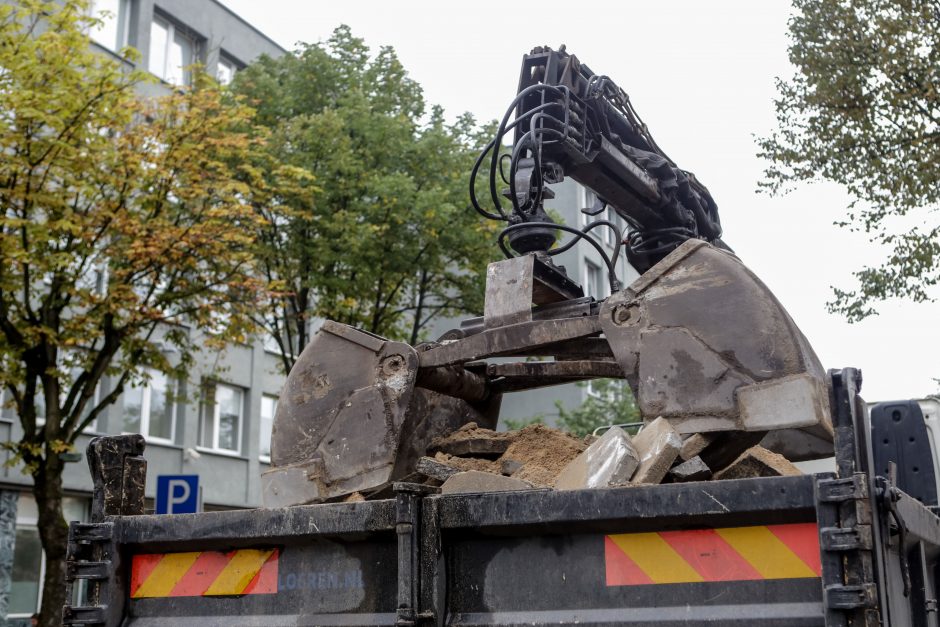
[
  {"x": 474, "y": 481},
  {"x": 695, "y": 444},
  {"x": 691, "y": 470},
  {"x": 758, "y": 462},
  {"x": 658, "y": 445},
  {"x": 430, "y": 467},
  {"x": 610, "y": 460},
  {"x": 509, "y": 467}
]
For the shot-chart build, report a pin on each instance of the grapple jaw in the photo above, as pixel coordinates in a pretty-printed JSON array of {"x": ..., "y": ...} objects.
[
  {"x": 705, "y": 344},
  {"x": 350, "y": 418},
  {"x": 700, "y": 339}
]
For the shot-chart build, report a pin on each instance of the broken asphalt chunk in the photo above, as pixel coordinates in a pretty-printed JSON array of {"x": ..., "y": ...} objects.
[
  {"x": 691, "y": 470},
  {"x": 432, "y": 468},
  {"x": 473, "y": 481},
  {"x": 758, "y": 462}
]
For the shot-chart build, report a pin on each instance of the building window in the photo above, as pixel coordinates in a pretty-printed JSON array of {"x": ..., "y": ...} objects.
[
  {"x": 27, "y": 572},
  {"x": 593, "y": 281},
  {"x": 171, "y": 52},
  {"x": 271, "y": 345},
  {"x": 610, "y": 234},
  {"x": 221, "y": 424},
  {"x": 225, "y": 70},
  {"x": 115, "y": 20},
  {"x": 150, "y": 408},
  {"x": 587, "y": 200},
  {"x": 268, "y": 408},
  {"x": 9, "y": 411},
  {"x": 29, "y": 563}
]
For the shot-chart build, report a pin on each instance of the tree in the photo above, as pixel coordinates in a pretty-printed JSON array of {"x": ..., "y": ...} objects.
[
  {"x": 123, "y": 232},
  {"x": 609, "y": 402},
  {"x": 376, "y": 231},
  {"x": 863, "y": 110}
]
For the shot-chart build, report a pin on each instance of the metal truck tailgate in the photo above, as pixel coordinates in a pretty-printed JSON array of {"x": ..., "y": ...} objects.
[{"x": 318, "y": 565}]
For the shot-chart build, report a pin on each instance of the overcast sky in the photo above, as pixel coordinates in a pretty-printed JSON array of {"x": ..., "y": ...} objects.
[{"x": 701, "y": 74}]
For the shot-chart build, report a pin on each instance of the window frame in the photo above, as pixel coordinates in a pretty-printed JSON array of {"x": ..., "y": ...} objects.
[
  {"x": 145, "y": 401},
  {"x": 32, "y": 522},
  {"x": 600, "y": 283},
  {"x": 29, "y": 523},
  {"x": 122, "y": 20},
  {"x": 230, "y": 62},
  {"x": 172, "y": 29},
  {"x": 216, "y": 419},
  {"x": 610, "y": 236},
  {"x": 266, "y": 458},
  {"x": 586, "y": 198},
  {"x": 591, "y": 391},
  {"x": 8, "y": 414}
]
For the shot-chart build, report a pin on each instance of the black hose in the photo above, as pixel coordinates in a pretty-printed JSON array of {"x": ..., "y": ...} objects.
[{"x": 579, "y": 235}]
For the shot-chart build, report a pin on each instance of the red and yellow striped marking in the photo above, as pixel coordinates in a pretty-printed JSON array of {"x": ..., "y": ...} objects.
[
  {"x": 728, "y": 554},
  {"x": 204, "y": 573}
]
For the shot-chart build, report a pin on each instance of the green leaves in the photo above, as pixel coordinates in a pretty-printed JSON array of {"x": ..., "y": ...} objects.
[
  {"x": 373, "y": 227},
  {"x": 609, "y": 402},
  {"x": 863, "y": 110},
  {"x": 121, "y": 220}
]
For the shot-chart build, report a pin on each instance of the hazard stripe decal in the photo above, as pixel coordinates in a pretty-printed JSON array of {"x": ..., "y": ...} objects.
[
  {"x": 726, "y": 554},
  {"x": 204, "y": 573}
]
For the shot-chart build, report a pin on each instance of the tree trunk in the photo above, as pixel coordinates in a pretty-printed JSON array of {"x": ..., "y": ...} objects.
[
  {"x": 53, "y": 532},
  {"x": 419, "y": 307}
]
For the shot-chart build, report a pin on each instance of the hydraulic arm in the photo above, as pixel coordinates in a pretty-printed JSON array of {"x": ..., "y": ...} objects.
[
  {"x": 700, "y": 340},
  {"x": 570, "y": 122}
]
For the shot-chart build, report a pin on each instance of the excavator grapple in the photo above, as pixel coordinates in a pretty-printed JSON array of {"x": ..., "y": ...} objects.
[{"x": 701, "y": 341}]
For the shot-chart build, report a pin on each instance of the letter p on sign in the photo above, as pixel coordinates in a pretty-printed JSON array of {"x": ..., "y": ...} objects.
[{"x": 177, "y": 494}]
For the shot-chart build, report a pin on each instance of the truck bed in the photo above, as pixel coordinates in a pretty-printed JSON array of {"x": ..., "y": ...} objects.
[
  {"x": 639, "y": 555},
  {"x": 825, "y": 549}
]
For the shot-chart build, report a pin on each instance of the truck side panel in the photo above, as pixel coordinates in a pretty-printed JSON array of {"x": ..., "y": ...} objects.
[
  {"x": 576, "y": 579},
  {"x": 667, "y": 555}
]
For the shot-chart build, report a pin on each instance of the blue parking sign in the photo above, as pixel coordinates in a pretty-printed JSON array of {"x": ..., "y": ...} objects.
[{"x": 177, "y": 494}]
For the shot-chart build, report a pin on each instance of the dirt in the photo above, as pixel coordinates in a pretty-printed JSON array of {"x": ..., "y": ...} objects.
[
  {"x": 539, "y": 452},
  {"x": 543, "y": 453}
]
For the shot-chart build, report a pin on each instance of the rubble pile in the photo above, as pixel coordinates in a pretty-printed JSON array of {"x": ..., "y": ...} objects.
[
  {"x": 474, "y": 459},
  {"x": 535, "y": 454}
]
